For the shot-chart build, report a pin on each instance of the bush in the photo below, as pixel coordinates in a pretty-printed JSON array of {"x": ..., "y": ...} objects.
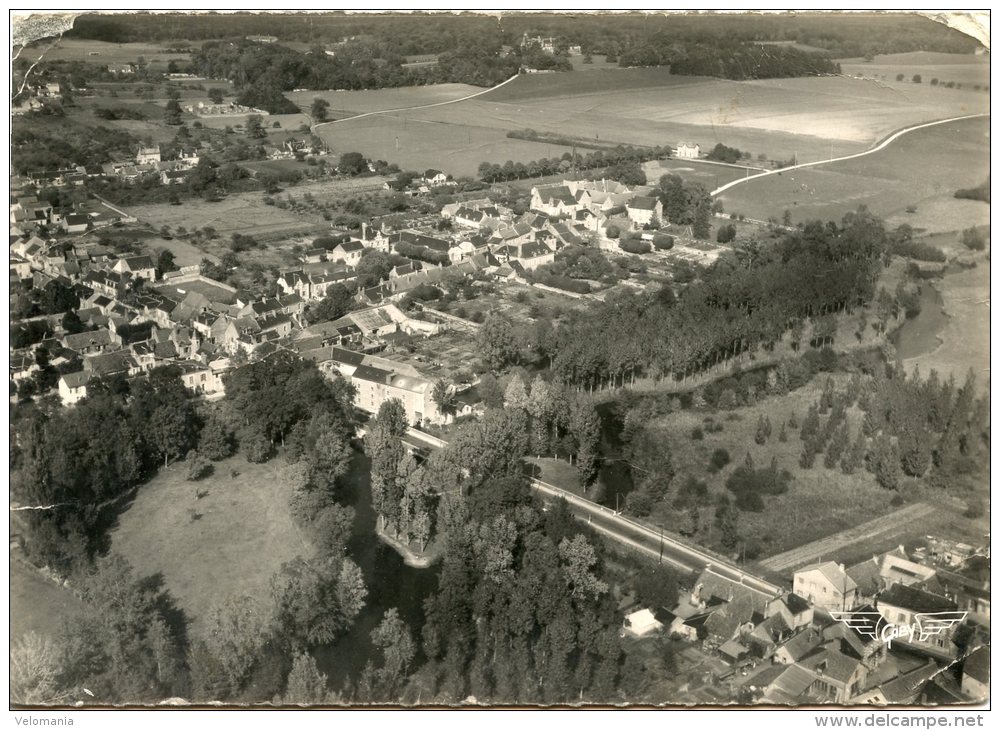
[
  {"x": 720, "y": 458},
  {"x": 749, "y": 485},
  {"x": 974, "y": 510},
  {"x": 973, "y": 239},
  {"x": 634, "y": 246},
  {"x": 198, "y": 467},
  {"x": 919, "y": 251},
  {"x": 897, "y": 500},
  {"x": 697, "y": 434},
  {"x": 726, "y": 234},
  {"x": 663, "y": 242},
  {"x": 639, "y": 503}
]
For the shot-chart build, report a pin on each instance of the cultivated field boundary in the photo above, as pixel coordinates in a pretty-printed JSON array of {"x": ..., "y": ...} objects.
[
  {"x": 877, "y": 148},
  {"x": 414, "y": 108}
]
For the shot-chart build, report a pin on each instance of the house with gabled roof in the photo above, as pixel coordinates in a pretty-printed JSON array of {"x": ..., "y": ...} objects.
[
  {"x": 975, "y": 681},
  {"x": 909, "y": 606},
  {"x": 73, "y": 387},
  {"x": 348, "y": 251},
  {"x": 138, "y": 266},
  {"x": 90, "y": 343},
  {"x": 554, "y": 200},
  {"x": 826, "y": 585},
  {"x": 644, "y": 210}
]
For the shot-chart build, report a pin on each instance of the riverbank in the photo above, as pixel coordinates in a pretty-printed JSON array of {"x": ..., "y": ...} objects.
[
  {"x": 411, "y": 558},
  {"x": 963, "y": 342}
]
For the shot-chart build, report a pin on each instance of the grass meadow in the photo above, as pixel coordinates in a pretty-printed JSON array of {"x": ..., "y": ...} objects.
[
  {"x": 922, "y": 170},
  {"x": 218, "y": 537}
]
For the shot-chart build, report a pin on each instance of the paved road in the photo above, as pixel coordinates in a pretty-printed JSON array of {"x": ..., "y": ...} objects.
[
  {"x": 880, "y": 146},
  {"x": 618, "y": 527},
  {"x": 412, "y": 108}
]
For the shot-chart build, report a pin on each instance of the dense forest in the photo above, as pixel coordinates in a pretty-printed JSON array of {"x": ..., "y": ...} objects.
[
  {"x": 841, "y": 35},
  {"x": 364, "y": 52},
  {"x": 262, "y": 72}
]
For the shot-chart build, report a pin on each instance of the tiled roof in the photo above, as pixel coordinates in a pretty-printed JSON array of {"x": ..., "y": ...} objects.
[{"x": 915, "y": 599}]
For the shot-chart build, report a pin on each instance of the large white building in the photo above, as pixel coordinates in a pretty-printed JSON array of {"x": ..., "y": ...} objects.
[
  {"x": 827, "y": 586},
  {"x": 378, "y": 379},
  {"x": 687, "y": 150}
]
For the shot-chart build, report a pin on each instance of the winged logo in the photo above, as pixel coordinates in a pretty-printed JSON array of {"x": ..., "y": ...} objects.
[
  {"x": 866, "y": 623},
  {"x": 932, "y": 624}
]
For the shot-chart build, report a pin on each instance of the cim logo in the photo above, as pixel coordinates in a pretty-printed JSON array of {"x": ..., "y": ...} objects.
[{"x": 924, "y": 626}]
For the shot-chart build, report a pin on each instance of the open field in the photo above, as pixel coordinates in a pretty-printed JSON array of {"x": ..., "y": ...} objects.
[
  {"x": 229, "y": 542},
  {"x": 455, "y": 148},
  {"x": 965, "y": 339},
  {"x": 961, "y": 68},
  {"x": 185, "y": 253},
  {"x": 287, "y": 121},
  {"x": 835, "y": 109},
  {"x": 357, "y": 102},
  {"x": 706, "y": 173},
  {"x": 36, "y": 603},
  {"x": 73, "y": 49},
  {"x": 808, "y": 118},
  {"x": 236, "y": 213},
  {"x": 921, "y": 169}
]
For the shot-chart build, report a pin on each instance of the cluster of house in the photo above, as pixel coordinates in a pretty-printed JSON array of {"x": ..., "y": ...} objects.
[
  {"x": 587, "y": 207},
  {"x": 202, "y": 326},
  {"x": 32, "y": 97},
  {"x": 211, "y": 109},
  {"x": 431, "y": 178},
  {"x": 148, "y": 162},
  {"x": 548, "y": 44},
  {"x": 878, "y": 632},
  {"x": 376, "y": 379}
]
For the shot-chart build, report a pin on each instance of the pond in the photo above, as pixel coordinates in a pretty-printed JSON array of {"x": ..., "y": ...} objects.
[
  {"x": 391, "y": 584},
  {"x": 919, "y": 335}
]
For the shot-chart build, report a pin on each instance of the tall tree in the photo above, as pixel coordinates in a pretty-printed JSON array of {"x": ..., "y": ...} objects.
[
  {"x": 497, "y": 342},
  {"x": 585, "y": 426},
  {"x": 443, "y": 395},
  {"x": 306, "y": 685},
  {"x": 384, "y": 446},
  {"x": 319, "y": 110}
]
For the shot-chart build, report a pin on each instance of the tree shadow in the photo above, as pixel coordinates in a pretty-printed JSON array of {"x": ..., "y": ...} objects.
[{"x": 167, "y": 607}]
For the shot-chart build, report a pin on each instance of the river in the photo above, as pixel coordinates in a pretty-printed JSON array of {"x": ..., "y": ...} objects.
[
  {"x": 919, "y": 335},
  {"x": 391, "y": 584},
  {"x": 615, "y": 475}
]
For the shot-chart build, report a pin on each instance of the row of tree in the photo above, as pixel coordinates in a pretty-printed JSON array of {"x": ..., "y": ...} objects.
[
  {"x": 621, "y": 161},
  {"x": 749, "y": 298}
]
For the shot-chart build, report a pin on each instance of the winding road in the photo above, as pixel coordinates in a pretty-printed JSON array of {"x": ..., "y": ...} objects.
[
  {"x": 412, "y": 108},
  {"x": 880, "y": 146}
]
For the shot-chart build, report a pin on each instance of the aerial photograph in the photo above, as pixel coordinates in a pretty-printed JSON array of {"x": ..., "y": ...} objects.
[{"x": 559, "y": 359}]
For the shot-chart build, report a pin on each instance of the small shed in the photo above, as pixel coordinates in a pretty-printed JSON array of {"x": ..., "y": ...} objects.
[{"x": 641, "y": 623}]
